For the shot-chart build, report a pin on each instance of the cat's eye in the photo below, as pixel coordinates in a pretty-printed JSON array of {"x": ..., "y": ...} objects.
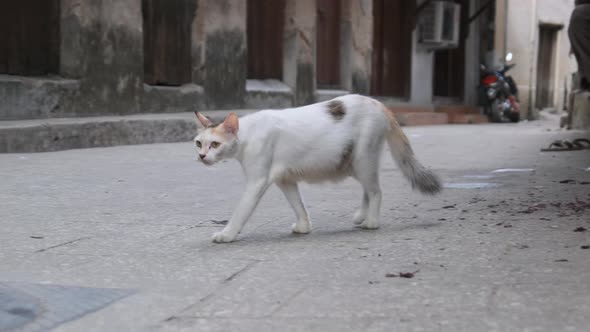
[
  {"x": 198, "y": 144},
  {"x": 215, "y": 145}
]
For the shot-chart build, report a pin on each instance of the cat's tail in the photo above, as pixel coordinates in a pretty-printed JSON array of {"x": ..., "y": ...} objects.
[{"x": 421, "y": 178}]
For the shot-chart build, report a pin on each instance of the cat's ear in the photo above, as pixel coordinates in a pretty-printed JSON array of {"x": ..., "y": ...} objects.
[
  {"x": 231, "y": 123},
  {"x": 203, "y": 121}
]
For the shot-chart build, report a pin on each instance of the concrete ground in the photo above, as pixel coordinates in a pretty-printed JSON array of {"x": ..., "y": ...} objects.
[{"x": 496, "y": 251}]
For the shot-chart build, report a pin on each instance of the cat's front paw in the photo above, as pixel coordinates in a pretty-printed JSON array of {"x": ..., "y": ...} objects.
[
  {"x": 359, "y": 217},
  {"x": 369, "y": 224},
  {"x": 301, "y": 227},
  {"x": 223, "y": 237}
]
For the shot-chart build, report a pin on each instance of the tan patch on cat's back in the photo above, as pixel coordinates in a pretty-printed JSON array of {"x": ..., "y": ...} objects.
[{"x": 336, "y": 109}]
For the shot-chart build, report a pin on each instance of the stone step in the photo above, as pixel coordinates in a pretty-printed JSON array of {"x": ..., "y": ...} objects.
[
  {"x": 327, "y": 94},
  {"x": 416, "y": 115},
  {"x": 78, "y": 133},
  {"x": 457, "y": 109},
  {"x": 410, "y": 108},
  {"x": 88, "y": 132},
  {"x": 421, "y": 118},
  {"x": 462, "y": 114},
  {"x": 467, "y": 118},
  {"x": 581, "y": 111}
]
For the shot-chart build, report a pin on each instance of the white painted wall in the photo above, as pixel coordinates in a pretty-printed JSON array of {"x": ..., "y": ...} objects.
[
  {"x": 559, "y": 12},
  {"x": 522, "y": 39},
  {"x": 422, "y": 73}
]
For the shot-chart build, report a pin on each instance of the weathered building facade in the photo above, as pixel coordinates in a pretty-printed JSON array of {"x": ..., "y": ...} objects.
[
  {"x": 535, "y": 31},
  {"x": 103, "y": 57}
]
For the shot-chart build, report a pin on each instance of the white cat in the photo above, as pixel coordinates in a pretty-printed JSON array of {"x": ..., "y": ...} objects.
[{"x": 324, "y": 141}]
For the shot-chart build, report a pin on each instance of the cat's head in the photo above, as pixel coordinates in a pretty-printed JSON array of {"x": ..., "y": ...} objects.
[{"x": 215, "y": 142}]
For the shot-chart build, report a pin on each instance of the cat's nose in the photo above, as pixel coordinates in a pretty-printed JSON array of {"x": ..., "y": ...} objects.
[{"x": 202, "y": 156}]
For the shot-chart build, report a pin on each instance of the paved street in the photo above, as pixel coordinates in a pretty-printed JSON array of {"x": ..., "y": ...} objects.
[{"x": 495, "y": 251}]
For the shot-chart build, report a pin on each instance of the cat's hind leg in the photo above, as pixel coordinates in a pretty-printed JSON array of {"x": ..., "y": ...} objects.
[
  {"x": 373, "y": 190},
  {"x": 366, "y": 170},
  {"x": 361, "y": 214},
  {"x": 291, "y": 192}
]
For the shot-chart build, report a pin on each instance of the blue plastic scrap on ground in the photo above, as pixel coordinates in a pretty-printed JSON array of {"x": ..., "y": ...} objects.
[{"x": 35, "y": 307}]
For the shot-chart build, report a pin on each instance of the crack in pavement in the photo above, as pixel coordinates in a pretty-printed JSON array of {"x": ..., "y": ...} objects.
[
  {"x": 287, "y": 301},
  {"x": 62, "y": 244},
  {"x": 225, "y": 281},
  {"x": 199, "y": 225},
  {"x": 234, "y": 275},
  {"x": 178, "y": 231}
]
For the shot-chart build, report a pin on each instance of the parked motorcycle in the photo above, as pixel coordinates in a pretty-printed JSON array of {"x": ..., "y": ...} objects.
[{"x": 499, "y": 93}]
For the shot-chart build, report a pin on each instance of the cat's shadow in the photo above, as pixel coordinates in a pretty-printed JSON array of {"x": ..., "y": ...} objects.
[{"x": 326, "y": 233}]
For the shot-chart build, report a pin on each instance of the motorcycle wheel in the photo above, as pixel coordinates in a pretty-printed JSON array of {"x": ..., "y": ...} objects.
[{"x": 496, "y": 110}]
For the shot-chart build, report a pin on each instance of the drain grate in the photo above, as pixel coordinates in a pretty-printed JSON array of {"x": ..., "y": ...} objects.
[{"x": 34, "y": 307}]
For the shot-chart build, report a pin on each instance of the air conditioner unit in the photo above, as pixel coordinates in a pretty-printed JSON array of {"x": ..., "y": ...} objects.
[{"x": 439, "y": 24}]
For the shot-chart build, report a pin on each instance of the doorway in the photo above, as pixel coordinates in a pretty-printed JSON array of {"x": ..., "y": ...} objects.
[
  {"x": 546, "y": 66},
  {"x": 167, "y": 41},
  {"x": 393, "y": 23},
  {"x": 449, "y": 64},
  {"x": 265, "y": 24},
  {"x": 29, "y": 37},
  {"x": 328, "y": 43}
]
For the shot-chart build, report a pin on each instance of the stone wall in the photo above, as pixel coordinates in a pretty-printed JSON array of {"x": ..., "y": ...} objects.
[
  {"x": 102, "y": 47},
  {"x": 581, "y": 111},
  {"x": 357, "y": 37},
  {"x": 100, "y": 65},
  {"x": 101, "y": 69},
  {"x": 225, "y": 53},
  {"x": 299, "y": 50},
  {"x": 101, "y": 62}
]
